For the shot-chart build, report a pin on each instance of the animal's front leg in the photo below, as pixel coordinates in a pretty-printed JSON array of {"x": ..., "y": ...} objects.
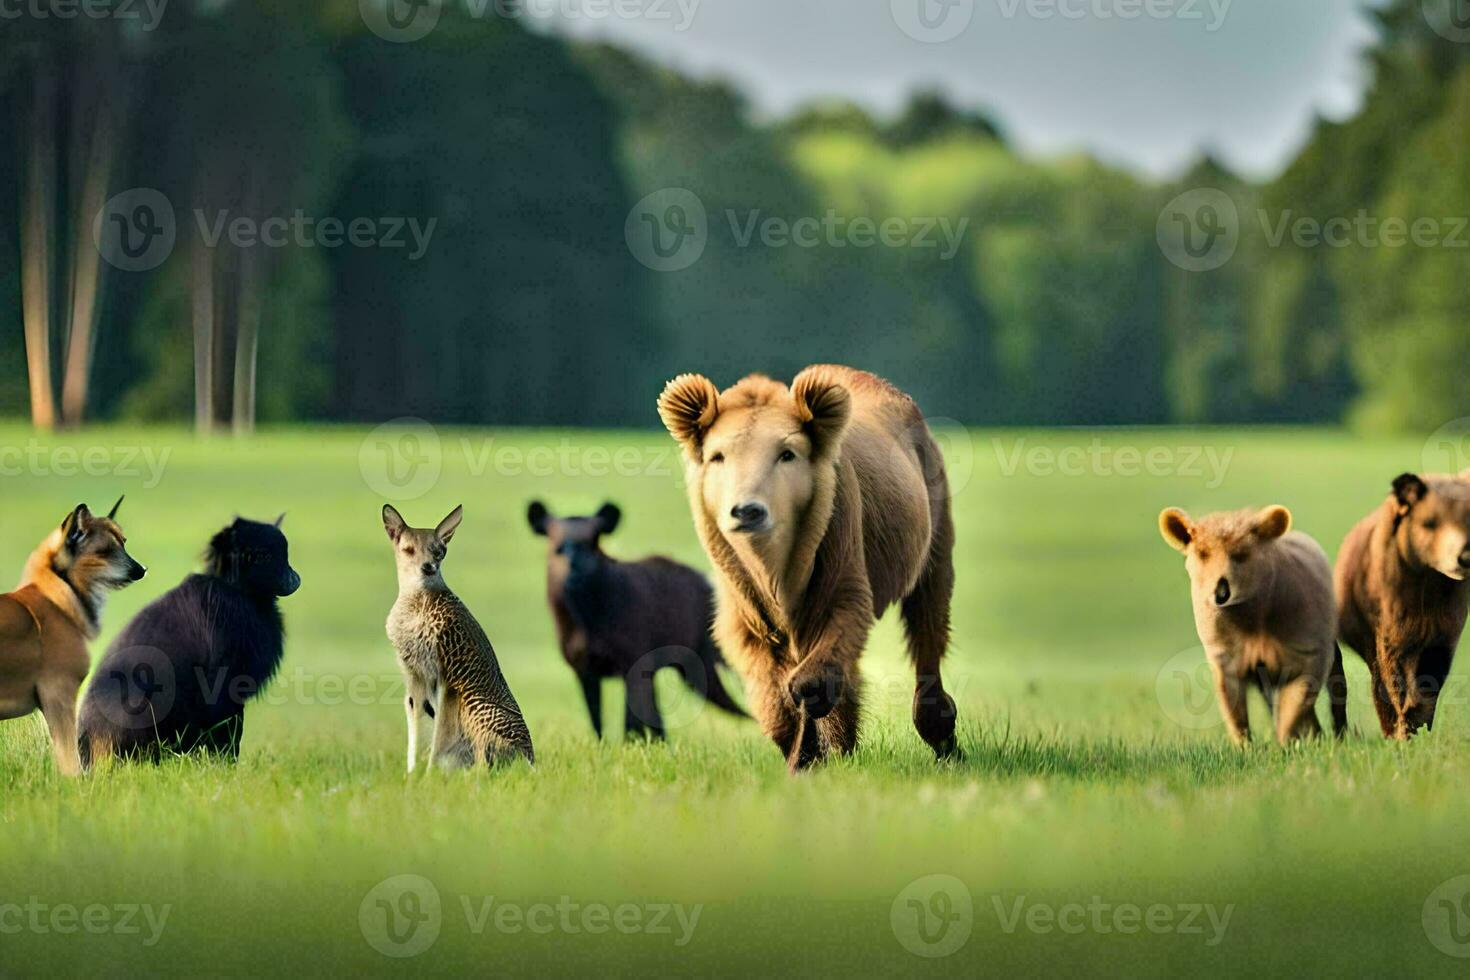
[
  {"x": 1296, "y": 702},
  {"x": 1230, "y": 690},
  {"x": 826, "y": 653},
  {"x": 415, "y": 703},
  {"x": 59, "y": 708}
]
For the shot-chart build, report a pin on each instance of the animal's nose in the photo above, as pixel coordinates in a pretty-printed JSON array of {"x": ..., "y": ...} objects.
[
  {"x": 139, "y": 571},
  {"x": 1222, "y": 592},
  {"x": 1465, "y": 558},
  {"x": 430, "y": 568},
  {"x": 749, "y": 514}
]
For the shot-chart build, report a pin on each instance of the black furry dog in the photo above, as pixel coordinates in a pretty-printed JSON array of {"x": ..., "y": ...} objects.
[{"x": 178, "y": 677}]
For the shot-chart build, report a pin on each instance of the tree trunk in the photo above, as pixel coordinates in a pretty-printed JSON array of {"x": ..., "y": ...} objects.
[
  {"x": 38, "y": 240},
  {"x": 202, "y": 289},
  {"x": 247, "y": 340}
]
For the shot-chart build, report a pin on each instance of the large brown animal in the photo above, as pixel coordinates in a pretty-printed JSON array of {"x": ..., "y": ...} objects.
[
  {"x": 1402, "y": 595},
  {"x": 821, "y": 505},
  {"x": 627, "y": 619},
  {"x": 1263, "y": 609},
  {"x": 46, "y": 622}
]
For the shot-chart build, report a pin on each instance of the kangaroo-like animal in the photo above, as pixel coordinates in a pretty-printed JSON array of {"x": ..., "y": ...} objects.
[{"x": 449, "y": 667}]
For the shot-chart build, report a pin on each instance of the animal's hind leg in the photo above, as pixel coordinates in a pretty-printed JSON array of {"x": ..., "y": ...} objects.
[
  {"x": 448, "y": 747},
  {"x": 640, "y": 708},
  {"x": 1337, "y": 693},
  {"x": 1296, "y": 701},
  {"x": 59, "y": 707},
  {"x": 926, "y": 620}
]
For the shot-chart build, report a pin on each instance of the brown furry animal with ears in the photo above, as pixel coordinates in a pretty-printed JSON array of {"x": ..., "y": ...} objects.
[
  {"x": 1402, "y": 595},
  {"x": 821, "y": 504},
  {"x": 1262, "y": 596},
  {"x": 46, "y": 622}
]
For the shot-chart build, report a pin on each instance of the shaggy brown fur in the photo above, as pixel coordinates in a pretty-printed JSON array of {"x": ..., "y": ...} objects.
[
  {"x": 821, "y": 505},
  {"x": 1263, "y": 609},
  {"x": 1402, "y": 595},
  {"x": 46, "y": 622},
  {"x": 627, "y": 619}
]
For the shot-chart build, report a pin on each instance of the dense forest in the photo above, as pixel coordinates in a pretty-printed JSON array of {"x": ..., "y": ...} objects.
[{"x": 1011, "y": 291}]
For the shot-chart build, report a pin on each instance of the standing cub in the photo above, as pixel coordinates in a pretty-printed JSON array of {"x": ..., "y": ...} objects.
[
  {"x": 1402, "y": 595},
  {"x": 449, "y": 667},
  {"x": 1264, "y": 611}
]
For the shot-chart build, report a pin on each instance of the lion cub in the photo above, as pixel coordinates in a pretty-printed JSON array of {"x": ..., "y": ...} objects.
[
  {"x": 449, "y": 667},
  {"x": 1264, "y": 609}
]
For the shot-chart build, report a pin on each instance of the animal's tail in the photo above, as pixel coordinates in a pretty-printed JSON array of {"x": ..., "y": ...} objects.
[
  {"x": 713, "y": 688},
  {"x": 1337, "y": 692}
]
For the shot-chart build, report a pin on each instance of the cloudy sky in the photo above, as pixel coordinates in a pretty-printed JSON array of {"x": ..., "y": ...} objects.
[{"x": 1142, "y": 83}]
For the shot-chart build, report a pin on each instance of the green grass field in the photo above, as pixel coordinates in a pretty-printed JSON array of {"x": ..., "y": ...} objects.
[{"x": 1100, "y": 820}]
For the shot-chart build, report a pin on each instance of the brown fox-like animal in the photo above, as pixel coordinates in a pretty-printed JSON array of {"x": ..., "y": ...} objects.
[
  {"x": 449, "y": 667},
  {"x": 46, "y": 622},
  {"x": 1262, "y": 596},
  {"x": 821, "y": 505},
  {"x": 1402, "y": 595}
]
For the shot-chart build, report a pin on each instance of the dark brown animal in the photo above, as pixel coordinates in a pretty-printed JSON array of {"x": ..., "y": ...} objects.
[
  {"x": 821, "y": 505},
  {"x": 1402, "y": 595},
  {"x": 627, "y": 619},
  {"x": 46, "y": 623}
]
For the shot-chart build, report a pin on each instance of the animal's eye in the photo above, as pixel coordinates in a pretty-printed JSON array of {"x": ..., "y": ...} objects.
[
  {"x": 786, "y": 456},
  {"x": 1240, "y": 556},
  {"x": 1432, "y": 524},
  {"x": 1202, "y": 554},
  {"x": 409, "y": 551},
  {"x": 717, "y": 458}
]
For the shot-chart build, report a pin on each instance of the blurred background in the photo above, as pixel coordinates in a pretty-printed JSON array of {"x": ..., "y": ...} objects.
[{"x": 1024, "y": 212}]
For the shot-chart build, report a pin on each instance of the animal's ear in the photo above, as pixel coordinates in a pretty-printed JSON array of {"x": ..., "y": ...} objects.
[
  {"x": 688, "y": 406},
  {"x": 450, "y": 524},
  {"x": 280, "y": 520},
  {"x": 112, "y": 514},
  {"x": 1177, "y": 528},
  {"x": 537, "y": 516},
  {"x": 823, "y": 406},
  {"x": 1272, "y": 523},
  {"x": 608, "y": 516},
  {"x": 74, "y": 525},
  {"x": 1408, "y": 490},
  {"x": 393, "y": 522}
]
